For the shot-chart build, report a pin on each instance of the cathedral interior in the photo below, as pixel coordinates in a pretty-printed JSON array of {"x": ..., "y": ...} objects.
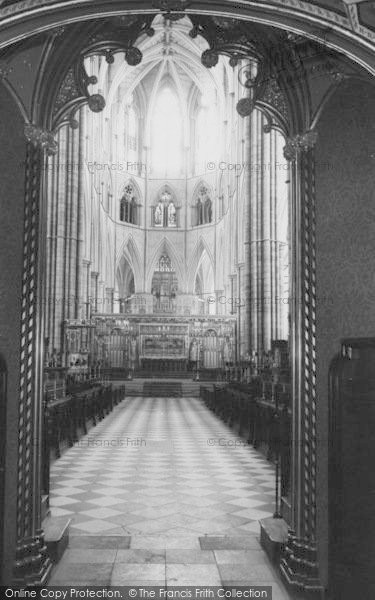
[{"x": 187, "y": 322}]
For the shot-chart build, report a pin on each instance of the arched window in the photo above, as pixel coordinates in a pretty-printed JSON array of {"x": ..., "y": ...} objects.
[
  {"x": 167, "y": 134},
  {"x": 203, "y": 207},
  {"x": 132, "y": 133},
  {"x": 165, "y": 211},
  {"x": 128, "y": 206},
  {"x": 207, "y": 137}
]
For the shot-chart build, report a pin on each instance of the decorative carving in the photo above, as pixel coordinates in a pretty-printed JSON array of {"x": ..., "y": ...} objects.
[
  {"x": 299, "y": 143},
  {"x": 274, "y": 97},
  {"x": 299, "y": 564},
  {"x": 228, "y": 37},
  {"x": 113, "y": 35},
  {"x": 133, "y": 56},
  {"x": 172, "y": 9},
  {"x": 42, "y": 138},
  {"x": 247, "y": 77},
  {"x": 209, "y": 58},
  {"x": 245, "y": 107},
  {"x": 96, "y": 103},
  {"x": 69, "y": 90},
  {"x": 110, "y": 59},
  {"x": 32, "y": 564}
]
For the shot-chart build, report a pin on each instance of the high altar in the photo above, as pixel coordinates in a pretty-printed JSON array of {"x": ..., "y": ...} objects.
[{"x": 150, "y": 342}]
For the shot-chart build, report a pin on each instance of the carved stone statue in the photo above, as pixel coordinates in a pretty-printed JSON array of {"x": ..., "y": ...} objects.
[
  {"x": 158, "y": 215},
  {"x": 171, "y": 215}
]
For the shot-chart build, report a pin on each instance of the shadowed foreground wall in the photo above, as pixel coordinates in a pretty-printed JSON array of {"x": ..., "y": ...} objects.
[
  {"x": 12, "y": 156},
  {"x": 345, "y": 191}
]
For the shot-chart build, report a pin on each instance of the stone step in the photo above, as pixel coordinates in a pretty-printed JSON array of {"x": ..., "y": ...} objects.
[
  {"x": 162, "y": 389},
  {"x": 56, "y": 535},
  {"x": 273, "y": 536},
  {"x": 190, "y": 389}
]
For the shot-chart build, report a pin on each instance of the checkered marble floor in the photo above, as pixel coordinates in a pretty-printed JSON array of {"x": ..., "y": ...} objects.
[{"x": 161, "y": 492}]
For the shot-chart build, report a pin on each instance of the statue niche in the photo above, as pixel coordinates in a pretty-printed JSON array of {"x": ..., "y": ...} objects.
[{"x": 165, "y": 211}]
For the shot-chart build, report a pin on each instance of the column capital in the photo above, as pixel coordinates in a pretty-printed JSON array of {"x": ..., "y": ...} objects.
[
  {"x": 299, "y": 143},
  {"x": 41, "y": 137}
]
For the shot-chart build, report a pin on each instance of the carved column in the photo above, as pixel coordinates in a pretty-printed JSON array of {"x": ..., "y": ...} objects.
[
  {"x": 299, "y": 564},
  {"x": 32, "y": 565}
]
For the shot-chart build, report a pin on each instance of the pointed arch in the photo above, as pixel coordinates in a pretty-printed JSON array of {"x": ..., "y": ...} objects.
[
  {"x": 168, "y": 187},
  {"x": 130, "y": 203},
  {"x": 130, "y": 252},
  {"x": 166, "y": 247},
  {"x": 131, "y": 181},
  {"x": 125, "y": 278},
  {"x": 165, "y": 202},
  {"x": 201, "y": 183},
  {"x": 200, "y": 248}
]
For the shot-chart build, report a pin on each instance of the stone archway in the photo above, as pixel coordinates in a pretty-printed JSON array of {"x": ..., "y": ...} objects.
[{"x": 31, "y": 563}]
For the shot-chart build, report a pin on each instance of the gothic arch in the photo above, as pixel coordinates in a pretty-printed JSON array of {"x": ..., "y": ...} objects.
[
  {"x": 346, "y": 35},
  {"x": 159, "y": 205},
  {"x": 130, "y": 252},
  {"x": 220, "y": 263},
  {"x": 205, "y": 279},
  {"x": 163, "y": 80},
  {"x": 131, "y": 181},
  {"x": 200, "y": 247},
  {"x": 128, "y": 208},
  {"x": 201, "y": 182},
  {"x": 167, "y": 187},
  {"x": 166, "y": 247},
  {"x": 124, "y": 274}
]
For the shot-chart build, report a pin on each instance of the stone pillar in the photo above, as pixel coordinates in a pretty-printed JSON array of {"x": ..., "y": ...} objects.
[
  {"x": 241, "y": 311},
  {"x": 253, "y": 251},
  {"x": 86, "y": 289},
  {"x": 94, "y": 291},
  {"x": 246, "y": 284},
  {"x": 109, "y": 300},
  {"x": 101, "y": 302},
  {"x": 63, "y": 294},
  {"x": 32, "y": 566},
  {"x": 263, "y": 258},
  {"x": 299, "y": 564}
]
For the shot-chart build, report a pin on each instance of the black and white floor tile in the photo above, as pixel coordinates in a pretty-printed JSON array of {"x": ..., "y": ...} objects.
[{"x": 148, "y": 485}]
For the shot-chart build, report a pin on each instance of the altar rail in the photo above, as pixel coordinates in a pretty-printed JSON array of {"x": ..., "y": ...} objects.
[
  {"x": 68, "y": 419},
  {"x": 264, "y": 420}
]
